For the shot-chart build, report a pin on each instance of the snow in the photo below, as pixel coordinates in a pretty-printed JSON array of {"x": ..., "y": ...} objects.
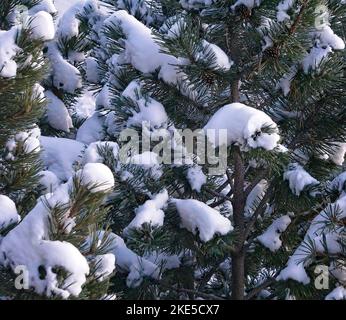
[
  {"x": 196, "y": 178},
  {"x": 285, "y": 81},
  {"x": 338, "y": 183},
  {"x": 8, "y": 50},
  {"x": 150, "y": 212},
  {"x": 97, "y": 176},
  {"x": 65, "y": 76},
  {"x": 256, "y": 193},
  {"x": 150, "y": 110},
  {"x": 129, "y": 262},
  {"x": 103, "y": 98},
  {"x": 8, "y": 212},
  {"x": 298, "y": 178},
  {"x": 85, "y": 106},
  {"x": 196, "y": 215},
  {"x": 29, "y": 142},
  {"x": 148, "y": 160},
  {"x": 338, "y": 154},
  {"x": 44, "y": 5},
  {"x": 92, "y": 154},
  {"x": 282, "y": 9},
  {"x": 313, "y": 59},
  {"x": 173, "y": 27},
  {"x": 325, "y": 42},
  {"x": 339, "y": 293},
  {"x": 195, "y": 4},
  {"x": 324, "y": 240},
  {"x": 141, "y": 50},
  {"x": 221, "y": 60},
  {"x": 48, "y": 181},
  {"x": 327, "y": 37},
  {"x": 294, "y": 271},
  {"x": 63, "y": 5},
  {"x": 105, "y": 266},
  {"x": 28, "y": 245},
  {"x": 92, "y": 70},
  {"x": 42, "y": 26},
  {"x": 338, "y": 269},
  {"x": 164, "y": 260},
  {"x": 57, "y": 114},
  {"x": 243, "y": 126},
  {"x": 91, "y": 130},
  {"x": 271, "y": 237},
  {"x": 248, "y": 3},
  {"x": 59, "y": 155},
  {"x": 68, "y": 26}
]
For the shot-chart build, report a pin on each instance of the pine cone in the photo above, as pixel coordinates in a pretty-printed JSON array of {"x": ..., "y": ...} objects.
[
  {"x": 208, "y": 77},
  {"x": 243, "y": 11},
  {"x": 272, "y": 52}
]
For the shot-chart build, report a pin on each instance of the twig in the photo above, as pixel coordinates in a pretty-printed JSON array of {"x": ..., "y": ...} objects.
[{"x": 258, "y": 289}]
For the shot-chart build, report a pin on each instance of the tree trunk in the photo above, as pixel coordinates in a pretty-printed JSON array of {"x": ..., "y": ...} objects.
[
  {"x": 238, "y": 275},
  {"x": 238, "y": 256}
]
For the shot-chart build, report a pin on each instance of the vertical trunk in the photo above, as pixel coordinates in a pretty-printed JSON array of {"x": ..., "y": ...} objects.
[
  {"x": 238, "y": 203},
  {"x": 238, "y": 276},
  {"x": 238, "y": 256}
]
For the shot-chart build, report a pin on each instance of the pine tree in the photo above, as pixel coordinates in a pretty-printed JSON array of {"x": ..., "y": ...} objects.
[
  {"x": 256, "y": 214},
  {"x": 54, "y": 240},
  {"x": 279, "y": 70}
]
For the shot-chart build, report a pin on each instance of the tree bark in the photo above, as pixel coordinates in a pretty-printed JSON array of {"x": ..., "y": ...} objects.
[
  {"x": 238, "y": 275},
  {"x": 238, "y": 256}
]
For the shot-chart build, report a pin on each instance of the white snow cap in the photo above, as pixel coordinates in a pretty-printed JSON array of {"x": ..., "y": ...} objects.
[
  {"x": 57, "y": 114},
  {"x": 148, "y": 160},
  {"x": 128, "y": 261},
  {"x": 85, "y": 105},
  {"x": 325, "y": 42},
  {"x": 338, "y": 183},
  {"x": 65, "y": 76},
  {"x": 29, "y": 141},
  {"x": 327, "y": 37},
  {"x": 96, "y": 174},
  {"x": 339, "y": 293},
  {"x": 92, "y": 72},
  {"x": 60, "y": 154},
  {"x": 222, "y": 61},
  {"x": 68, "y": 25},
  {"x": 27, "y": 245},
  {"x": 151, "y": 111},
  {"x": 44, "y": 5},
  {"x": 196, "y": 215},
  {"x": 42, "y": 26},
  {"x": 8, "y": 50},
  {"x": 105, "y": 266},
  {"x": 244, "y": 127},
  {"x": 48, "y": 180},
  {"x": 323, "y": 240},
  {"x": 271, "y": 237},
  {"x": 150, "y": 212},
  {"x": 313, "y": 59},
  {"x": 8, "y": 212},
  {"x": 282, "y": 9},
  {"x": 298, "y": 178},
  {"x": 256, "y": 193},
  {"x": 91, "y": 130},
  {"x": 141, "y": 50},
  {"x": 338, "y": 154},
  {"x": 196, "y": 178},
  {"x": 92, "y": 154}
]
